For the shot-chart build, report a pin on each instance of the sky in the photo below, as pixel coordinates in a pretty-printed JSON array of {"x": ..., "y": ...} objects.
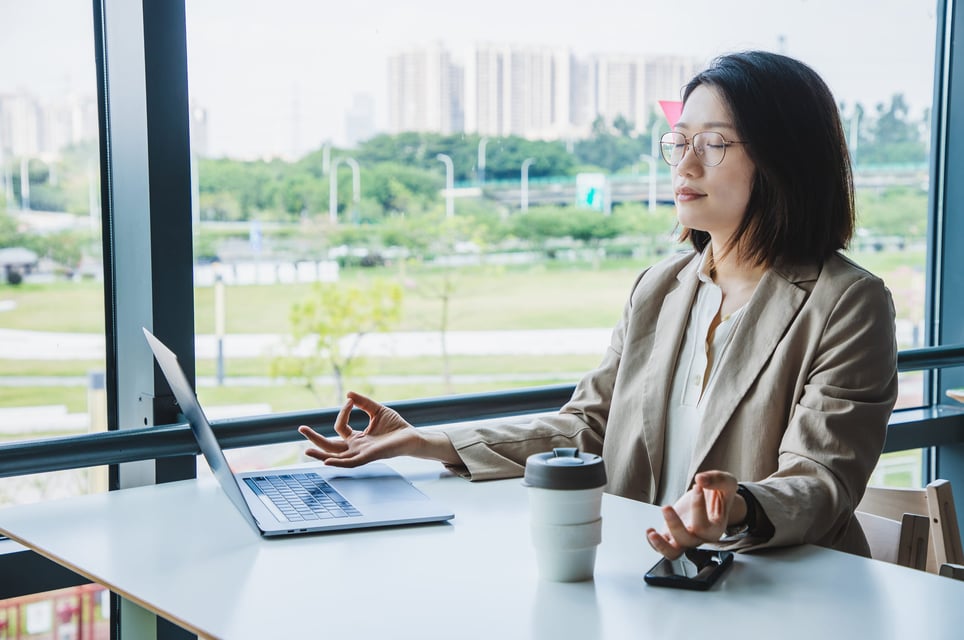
[{"x": 279, "y": 76}]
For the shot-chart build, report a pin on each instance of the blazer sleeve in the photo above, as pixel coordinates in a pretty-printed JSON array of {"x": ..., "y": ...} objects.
[{"x": 837, "y": 428}]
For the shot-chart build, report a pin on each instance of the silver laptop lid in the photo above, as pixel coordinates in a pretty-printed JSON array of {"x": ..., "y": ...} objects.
[{"x": 203, "y": 433}]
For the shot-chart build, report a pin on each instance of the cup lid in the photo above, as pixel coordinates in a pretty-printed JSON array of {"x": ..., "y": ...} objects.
[{"x": 565, "y": 468}]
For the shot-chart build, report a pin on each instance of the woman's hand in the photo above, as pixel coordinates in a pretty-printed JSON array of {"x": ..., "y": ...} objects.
[
  {"x": 387, "y": 435},
  {"x": 701, "y": 515}
]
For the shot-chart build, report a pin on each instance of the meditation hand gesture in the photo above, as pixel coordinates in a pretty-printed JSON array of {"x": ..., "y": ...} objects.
[
  {"x": 387, "y": 435},
  {"x": 701, "y": 515}
]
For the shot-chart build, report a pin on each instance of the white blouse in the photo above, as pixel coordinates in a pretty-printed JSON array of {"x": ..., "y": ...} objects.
[{"x": 696, "y": 371}]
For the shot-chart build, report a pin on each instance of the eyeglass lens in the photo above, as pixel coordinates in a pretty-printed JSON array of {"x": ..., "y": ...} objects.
[{"x": 709, "y": 147}]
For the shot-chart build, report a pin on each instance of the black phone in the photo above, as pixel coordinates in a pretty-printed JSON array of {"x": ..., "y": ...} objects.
[{"x": 696, "y": 569}]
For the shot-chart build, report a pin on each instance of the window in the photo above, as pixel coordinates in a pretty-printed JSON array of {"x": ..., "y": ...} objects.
[
  {"x": 284, "y": 98},
  {"x": 476, "y": 169},
  {"x": 51, "y": 275}
]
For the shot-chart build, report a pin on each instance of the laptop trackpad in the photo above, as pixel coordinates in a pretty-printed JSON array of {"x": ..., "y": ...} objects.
[{"x": 374, "y": 490}]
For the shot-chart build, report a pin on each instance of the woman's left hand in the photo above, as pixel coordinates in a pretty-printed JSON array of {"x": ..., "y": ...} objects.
[{"x": 701, "y": 515}]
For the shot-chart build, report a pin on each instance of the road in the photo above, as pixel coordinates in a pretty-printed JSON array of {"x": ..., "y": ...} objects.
[{"x": 37, "y": 345}]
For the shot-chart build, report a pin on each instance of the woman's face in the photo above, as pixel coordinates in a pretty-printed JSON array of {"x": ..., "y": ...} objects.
[{"x": 711, "y": 199}]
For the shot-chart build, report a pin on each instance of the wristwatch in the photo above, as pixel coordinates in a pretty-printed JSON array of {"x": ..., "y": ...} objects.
[{"x": 749, "y": 521}]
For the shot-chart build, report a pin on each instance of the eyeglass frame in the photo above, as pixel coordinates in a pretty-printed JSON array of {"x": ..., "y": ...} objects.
[{"x": 688, "y": 142}]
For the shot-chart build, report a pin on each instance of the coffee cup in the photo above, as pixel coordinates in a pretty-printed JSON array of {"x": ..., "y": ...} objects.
[{"x": 565, "y": 497}]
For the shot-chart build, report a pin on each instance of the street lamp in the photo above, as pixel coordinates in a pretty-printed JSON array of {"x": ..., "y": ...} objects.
[
  {"x": 854, "y": 135},
  {"x": 654, "y": 139},
  {"x": 24, "y": 184},
  {"x": 333, "y": 187},
  {"x": 449, "y": 184},
  {"x": 480, "y": 169},
  {"x": 525, "y": 183},
  {"x": 355, "y": 187},
  {"x": 3, "y": 172},
  {"x": 219, "y": 317},
  {"x": 651, "y": 163}
]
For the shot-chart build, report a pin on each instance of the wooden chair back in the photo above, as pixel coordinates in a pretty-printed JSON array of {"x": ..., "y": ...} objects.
[
  {"x": 903, "y": 542},
  {"x": 895, "y": 538}
]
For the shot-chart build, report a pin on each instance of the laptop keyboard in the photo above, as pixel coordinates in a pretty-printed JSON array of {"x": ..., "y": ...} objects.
[{"x": 301, "y": 496}]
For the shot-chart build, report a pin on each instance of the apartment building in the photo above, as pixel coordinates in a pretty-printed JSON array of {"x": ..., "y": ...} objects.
[{"x": 529, "y": 91}]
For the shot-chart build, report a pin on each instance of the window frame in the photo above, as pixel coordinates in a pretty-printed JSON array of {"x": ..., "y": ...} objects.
[{"x": 146, "y": 195}]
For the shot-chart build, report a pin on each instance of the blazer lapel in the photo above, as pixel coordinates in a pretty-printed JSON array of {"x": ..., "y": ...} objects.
[
  {"x": 764, "y": 321},
  {"x": 658, "y": 379}
]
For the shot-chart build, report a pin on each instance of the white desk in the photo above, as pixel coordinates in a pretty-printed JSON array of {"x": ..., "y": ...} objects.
[{"x": 182, "y": 551}]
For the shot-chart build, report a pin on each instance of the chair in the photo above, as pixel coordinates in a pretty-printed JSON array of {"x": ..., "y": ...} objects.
[
  {"x": 902, "y": 542},
  {"x": 914, "y": 527}
]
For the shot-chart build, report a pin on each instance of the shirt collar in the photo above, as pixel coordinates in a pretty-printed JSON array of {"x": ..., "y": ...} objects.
[{"x": 704, "y": 269}]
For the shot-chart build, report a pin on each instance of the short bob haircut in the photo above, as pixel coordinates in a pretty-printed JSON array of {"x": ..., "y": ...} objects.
[{"x": 801, "y": 207}]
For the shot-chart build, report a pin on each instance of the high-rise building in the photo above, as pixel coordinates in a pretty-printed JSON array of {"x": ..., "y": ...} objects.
[
  {"x": 666, "y": 75},
  {"x": 360, "y": 119},
  {"x": 30, "y": 126},
  {"x": 521, "y": 91},
  {"x": 199, "y": 129},
  {"x": 631, "y": 85},
  {"x": 424, "y": 91},
  {"x": 533, "y": 92}
]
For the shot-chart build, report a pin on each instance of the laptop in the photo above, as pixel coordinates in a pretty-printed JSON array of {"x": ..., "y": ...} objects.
[{"x": 305, "y": 499}]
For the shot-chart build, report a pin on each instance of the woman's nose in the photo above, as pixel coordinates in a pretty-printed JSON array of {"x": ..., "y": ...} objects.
[{"x": 690, "y": 162}]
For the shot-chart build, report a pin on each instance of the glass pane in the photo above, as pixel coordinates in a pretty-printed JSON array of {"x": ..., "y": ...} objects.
[
  {"x": 476, "y": 174},
  {"x": 77, "y": 612},
  {"x": 51, "y": 361}
]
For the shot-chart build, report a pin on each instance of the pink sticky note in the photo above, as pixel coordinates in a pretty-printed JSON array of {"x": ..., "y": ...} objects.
[{"x": 672, "y": 109}]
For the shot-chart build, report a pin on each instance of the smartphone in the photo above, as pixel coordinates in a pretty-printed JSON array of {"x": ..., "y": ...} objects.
[{"x": 697, "y": 569}]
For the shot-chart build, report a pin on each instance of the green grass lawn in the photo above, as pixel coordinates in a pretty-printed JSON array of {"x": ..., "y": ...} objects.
[
  {"x": 551, "y": 295},
  {"x": 538, "y": 298}
]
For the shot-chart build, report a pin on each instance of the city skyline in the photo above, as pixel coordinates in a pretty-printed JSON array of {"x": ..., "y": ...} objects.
[
  {"x": 270, "y": 81},
  {"x": 540, "y": 93}
]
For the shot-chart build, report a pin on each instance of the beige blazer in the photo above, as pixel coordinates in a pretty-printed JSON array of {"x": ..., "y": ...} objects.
[{"x": 798, "y": 414}]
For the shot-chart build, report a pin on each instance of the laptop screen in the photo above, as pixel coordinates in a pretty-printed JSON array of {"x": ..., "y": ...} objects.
[{"x": 203, "y": 433}]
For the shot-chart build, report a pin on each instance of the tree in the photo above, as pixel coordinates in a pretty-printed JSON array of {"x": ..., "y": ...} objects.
[
  {"x": 889, "y": 135},
  {"x": 327, "y": 329},
  {"x": 612, "y": 148},
  {"x": 10, "y": 235},
  {"x": 623, "y": 126},
  {"x": 445, "y": 285}
]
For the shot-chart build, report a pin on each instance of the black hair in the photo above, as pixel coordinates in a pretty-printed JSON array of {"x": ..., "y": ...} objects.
[{"x": 801, "y": 207}]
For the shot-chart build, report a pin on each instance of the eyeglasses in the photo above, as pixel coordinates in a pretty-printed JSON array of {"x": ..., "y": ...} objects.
[{"x": 710, "y": 147}]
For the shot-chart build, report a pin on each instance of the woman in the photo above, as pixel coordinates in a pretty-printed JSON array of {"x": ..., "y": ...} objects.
[{"x": 748, "y": 385}]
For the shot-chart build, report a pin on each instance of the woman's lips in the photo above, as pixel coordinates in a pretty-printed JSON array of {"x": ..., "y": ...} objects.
[{"x": 688, "y": 195}]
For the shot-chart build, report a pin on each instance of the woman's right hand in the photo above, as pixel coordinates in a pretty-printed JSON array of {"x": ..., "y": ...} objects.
[{"x": 387, "y": 435}]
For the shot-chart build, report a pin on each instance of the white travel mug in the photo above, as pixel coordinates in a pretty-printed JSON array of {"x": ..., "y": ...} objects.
[{"x": 565, "y": 497}]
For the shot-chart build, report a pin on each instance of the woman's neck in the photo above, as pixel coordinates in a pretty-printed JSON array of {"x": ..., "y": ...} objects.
[{"x": 736, "y": 278}]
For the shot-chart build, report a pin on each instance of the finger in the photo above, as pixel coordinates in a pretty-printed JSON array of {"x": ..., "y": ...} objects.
[
  {"x": 699, "y": 518},
  {"x": 369, "y": 406},
  {"x": 721, "y": 488},
  {"x": 342, "y": 427},
  {"x": 719, "y": 480},
  {"x": 317, "y": 454},
  {"x": 347, "y": 459},
  {"x": 683, "y": 537},
  {"x": 662, "y": 544},
  {"x": 337, "y": 451},
  {"x": 715, "y": 506},
  {"x": 366, "y": 404},
  {"x": 335, "y": 459},
  {"x": 320, "y": 441}
]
